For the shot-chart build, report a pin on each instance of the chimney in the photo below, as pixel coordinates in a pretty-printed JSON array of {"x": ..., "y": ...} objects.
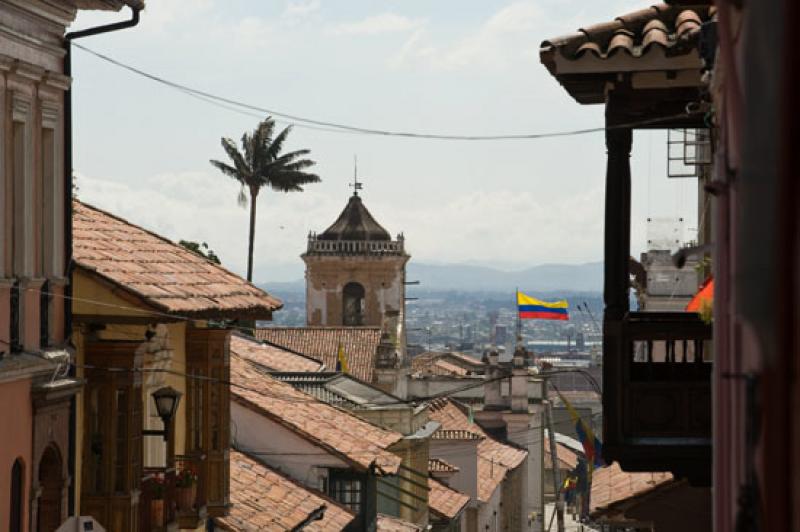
[
  {"x": 493, "y": 399},
  {"x": 519, "y": 382}
]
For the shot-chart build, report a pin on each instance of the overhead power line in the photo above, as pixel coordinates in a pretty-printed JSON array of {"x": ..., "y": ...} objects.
[{"x": 333, "y": 127}]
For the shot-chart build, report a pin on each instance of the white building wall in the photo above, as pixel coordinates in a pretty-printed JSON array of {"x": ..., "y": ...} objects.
[
  {"x": 489, "y": 518},
  {"x": 280, "y": 448},
  {"x": 464, "y": 455}
]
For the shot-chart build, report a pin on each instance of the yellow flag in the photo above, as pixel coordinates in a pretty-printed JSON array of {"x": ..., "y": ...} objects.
[{"x": 342, "y": 360}]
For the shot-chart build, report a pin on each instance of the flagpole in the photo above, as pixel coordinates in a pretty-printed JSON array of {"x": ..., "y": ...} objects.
[
  {"x": 519, "y": 320},
  {"x": 548, "y": 412}
]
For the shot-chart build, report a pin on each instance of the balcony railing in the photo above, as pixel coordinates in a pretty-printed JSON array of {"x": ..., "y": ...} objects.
[
  {"x": 657, "y": 393},
  {"x": 192, "y": 517},
  {"x": 152, "y": 476},
  {"x": 354, "y": 247}
]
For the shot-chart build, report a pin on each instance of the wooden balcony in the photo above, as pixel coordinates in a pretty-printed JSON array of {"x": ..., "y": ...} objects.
[
  {"x": 657, "y": 393},
  {"x": 148, "y": 520},
  {"x": 197, "y": 514}
]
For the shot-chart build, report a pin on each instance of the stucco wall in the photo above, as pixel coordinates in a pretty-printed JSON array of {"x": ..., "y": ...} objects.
[
  {"x": 16, "y": 428},
  {"x": 279, "y": 447},
  {"x": 464, "y": 455},
  {"x": 382, "y": 278},
  {"x": 167, "y": 350},
  {"x": 489, "y": 513}
]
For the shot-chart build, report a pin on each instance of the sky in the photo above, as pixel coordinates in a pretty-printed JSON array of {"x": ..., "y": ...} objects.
[{"x": 466, "y": 67}]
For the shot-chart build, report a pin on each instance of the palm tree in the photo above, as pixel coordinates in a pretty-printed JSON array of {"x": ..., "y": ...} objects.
[{"x": 261, "y": 164}]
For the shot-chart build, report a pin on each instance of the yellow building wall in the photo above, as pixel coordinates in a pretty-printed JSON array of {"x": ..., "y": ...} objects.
[{"x": 95, "y": 298}]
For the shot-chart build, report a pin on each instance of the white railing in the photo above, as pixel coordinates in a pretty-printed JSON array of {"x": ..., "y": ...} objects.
[{"x": 355, "y": 247}]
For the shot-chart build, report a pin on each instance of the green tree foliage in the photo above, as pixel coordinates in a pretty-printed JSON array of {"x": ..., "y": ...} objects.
[
  {"x": 260, "y": 164},
  {"x": 202, "y": 249}
]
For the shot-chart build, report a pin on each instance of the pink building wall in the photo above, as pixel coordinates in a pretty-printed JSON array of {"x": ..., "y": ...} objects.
[{"x": 16, "y": 431}]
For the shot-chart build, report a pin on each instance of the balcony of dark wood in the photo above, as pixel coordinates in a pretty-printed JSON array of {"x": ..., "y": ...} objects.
[
  {"x": 194, "y": 516},
  {"x": 152, "y": 476},
  {"x": 657, "y": 393}
]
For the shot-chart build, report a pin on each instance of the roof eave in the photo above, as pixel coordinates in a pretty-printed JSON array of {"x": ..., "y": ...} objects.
[{"x": 315, "y": 441}]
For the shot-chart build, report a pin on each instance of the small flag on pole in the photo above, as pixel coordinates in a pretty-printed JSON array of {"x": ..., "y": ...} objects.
[
  {"x": 592, "y": 447},
  {"x": 531, "y": 308},
  {"x": 341, "y": 360}
]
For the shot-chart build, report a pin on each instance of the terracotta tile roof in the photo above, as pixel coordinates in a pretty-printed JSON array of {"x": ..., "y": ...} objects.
[
  {"x": 611, "y": 485},
  {"x": 265, "y": 500},
  {"x": 466, "y": 359},
  {"x": 495, "y": 459},
  {"x": 322, "y": 343},
  {"x": 444, "y": 501},
  {"x": 577, "y": 397},
  {"x": 437, "y": 465},
  {"x": 163, "y": 274},
  {"x": 270, "y": 356},
  {"x": 666, "y": 36},
  {"x": 566, "y": 458},
  {"x": 636, "y": 34},
  {"x": 354, "y": 440},
  {"x": 388, "y": 523},
  {"x": 447, "y": 363}
]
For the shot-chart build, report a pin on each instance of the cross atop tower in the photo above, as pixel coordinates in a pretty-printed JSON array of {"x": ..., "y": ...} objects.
[{"x": 356, "y": 184}]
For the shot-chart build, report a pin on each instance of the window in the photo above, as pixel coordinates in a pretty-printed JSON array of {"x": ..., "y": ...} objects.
[
  {"x": 44, "y": 315},
  {"x": 353, "y": 313},
  {"x": 347, "y": 488},
  {"x": 121, "y": 457},
  {"x": 208, "y": 414},
  {"x": 20, "y": 201},
  {"x": 17, "y": 483},
  {"x": 47, "y": 195},
  {"x": 14, "y": 320}
]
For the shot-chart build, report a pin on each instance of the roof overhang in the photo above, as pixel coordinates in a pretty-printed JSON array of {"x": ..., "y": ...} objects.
[
  {"x": 109, "y": 5},
  {"x": 653, "y": 48},
  {"x": 159, "y": 313}
]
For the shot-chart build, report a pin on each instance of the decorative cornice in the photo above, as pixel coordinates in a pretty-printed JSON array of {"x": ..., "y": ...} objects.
[
  {"x": 57, "y": 80},
  {"x": 27, "y": 283},
  {"x": 27, "y": 70}
]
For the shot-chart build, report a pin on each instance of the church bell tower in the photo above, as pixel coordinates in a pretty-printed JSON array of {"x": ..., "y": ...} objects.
[{"x": 355, "y": 273}]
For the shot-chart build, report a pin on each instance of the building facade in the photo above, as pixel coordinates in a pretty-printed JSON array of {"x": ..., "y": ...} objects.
[
  {"x": 147, "y": 318},
  {"x": 37, "y": 449},
  {"x": 355, "y": 273}
]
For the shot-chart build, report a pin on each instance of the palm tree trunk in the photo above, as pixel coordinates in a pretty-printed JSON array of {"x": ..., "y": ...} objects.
[{"x": 253, "y": 196}]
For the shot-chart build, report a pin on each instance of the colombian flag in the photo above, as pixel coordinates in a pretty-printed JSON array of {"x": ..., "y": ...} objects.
[
  {"x": 531, "y": 308},
  {"x": 591, "y": 443}
]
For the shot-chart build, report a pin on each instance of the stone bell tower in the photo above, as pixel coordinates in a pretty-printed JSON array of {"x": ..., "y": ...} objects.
[{"x": 355, "y": 274}]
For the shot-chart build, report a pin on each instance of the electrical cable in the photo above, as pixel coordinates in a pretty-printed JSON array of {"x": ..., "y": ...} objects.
[{"x": 345, "y": 128}]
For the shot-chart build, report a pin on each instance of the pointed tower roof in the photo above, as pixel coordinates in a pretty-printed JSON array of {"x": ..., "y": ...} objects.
[{"x": 355, "y": 223}]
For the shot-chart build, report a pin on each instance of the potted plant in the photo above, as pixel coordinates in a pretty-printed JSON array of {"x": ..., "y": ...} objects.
[
  {"x": 186, "y": 482},
  {"x": 157, "y": 502}
]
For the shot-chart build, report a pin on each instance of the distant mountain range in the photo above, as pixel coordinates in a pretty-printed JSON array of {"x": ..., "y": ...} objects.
[
  {"x": 468, "y": 278},
  {"x": 543, "y": 278}
]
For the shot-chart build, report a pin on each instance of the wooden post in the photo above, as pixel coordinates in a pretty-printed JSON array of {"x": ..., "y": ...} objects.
[
  {"x": 617, "y": 217},
  {"x": 616, "y": 272}
]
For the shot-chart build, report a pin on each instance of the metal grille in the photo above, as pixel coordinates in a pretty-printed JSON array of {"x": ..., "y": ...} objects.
[{"x": 687, "y": 150}]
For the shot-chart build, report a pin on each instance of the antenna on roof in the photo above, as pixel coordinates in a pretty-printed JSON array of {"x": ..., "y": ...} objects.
[{"x": 356, "y": 184}]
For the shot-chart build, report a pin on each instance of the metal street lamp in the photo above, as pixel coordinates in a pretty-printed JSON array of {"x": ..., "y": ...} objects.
[{"x": 167, "y": 399}]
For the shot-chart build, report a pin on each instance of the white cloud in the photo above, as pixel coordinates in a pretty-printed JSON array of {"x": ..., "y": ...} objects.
[
  {"x": 510, "y": 225},
  {"x": 377, "y": 24},
  {"x": 251, "y": 32},
  {"x": 301, "y": 8},
  {"x": 509, "y": 33}
]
